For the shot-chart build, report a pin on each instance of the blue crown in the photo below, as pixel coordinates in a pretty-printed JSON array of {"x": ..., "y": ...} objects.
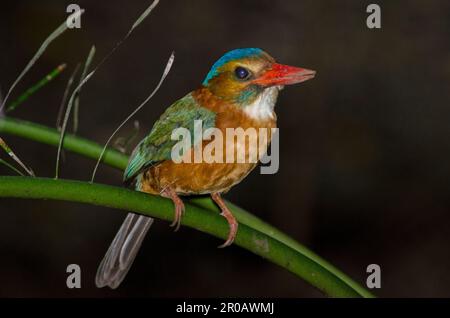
[{"x": 236, "y": 54}]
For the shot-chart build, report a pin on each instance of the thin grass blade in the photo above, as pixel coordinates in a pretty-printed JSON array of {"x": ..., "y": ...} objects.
[
  {"x": 76, "y": 107},
  {"x": 33, "y": 89},
  {"x": 166, "y": 71},
  {"x": 84, "y": 80},
  {"x": 11, "y": 153},
  {"x": 2, "y": 111},
  {"x": 66, "y": 119},
  {"x": 60, "y": 30},
  {"x": 10, "y": 166},
  {"x": 65, "y": 95},
  {"x": 143, "y": 16}
]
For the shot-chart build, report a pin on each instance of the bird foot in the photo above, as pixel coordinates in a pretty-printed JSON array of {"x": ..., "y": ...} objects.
[
  {"x": 233, "y": 228},
  {"x": 179, "y": 211},
  {"x": 179, "y": 207},
  {"x": 232, "y": 222}
]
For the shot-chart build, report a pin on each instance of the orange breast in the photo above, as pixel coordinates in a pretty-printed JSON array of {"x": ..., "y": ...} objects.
[{"x": 201, "y": 178}]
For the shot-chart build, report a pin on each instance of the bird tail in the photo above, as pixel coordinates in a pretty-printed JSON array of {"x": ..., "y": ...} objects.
[{"x": 122, "y": 251}]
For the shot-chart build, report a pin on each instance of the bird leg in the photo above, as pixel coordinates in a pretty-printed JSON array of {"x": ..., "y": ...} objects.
[
  {"x": 168, "y": 192},
  {"x": 226, "y": 213}
]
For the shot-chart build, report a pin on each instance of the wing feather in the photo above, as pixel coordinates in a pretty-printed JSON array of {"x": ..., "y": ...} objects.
[{"x": 157, "y": 146}]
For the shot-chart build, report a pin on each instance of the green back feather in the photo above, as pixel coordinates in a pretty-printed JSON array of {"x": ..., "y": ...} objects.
[{"x": 157, "y": 146}]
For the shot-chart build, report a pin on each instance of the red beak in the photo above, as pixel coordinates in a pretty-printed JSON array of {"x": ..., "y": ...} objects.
[{"x": 280, "y": 74}]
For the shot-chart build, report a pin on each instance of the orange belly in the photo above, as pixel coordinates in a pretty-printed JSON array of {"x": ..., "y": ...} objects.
[
  {"x": 201, "y": 178},
  {"x": 194, "y": 178}
]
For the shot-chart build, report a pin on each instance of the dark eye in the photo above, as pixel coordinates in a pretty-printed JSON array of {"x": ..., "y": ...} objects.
[{"x": 242, "y": 73}]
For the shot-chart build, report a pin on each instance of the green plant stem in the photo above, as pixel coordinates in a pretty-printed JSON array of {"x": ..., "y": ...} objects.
[
  {"x": 71, "y": 143},
  {"x": 283, "y": 249},
  {"x": 33, "y": 89},
  {"x": 195, "y": 217}
]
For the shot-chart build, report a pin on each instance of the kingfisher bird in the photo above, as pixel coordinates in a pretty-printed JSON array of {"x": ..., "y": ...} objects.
[{"x": 240, "y": 90}]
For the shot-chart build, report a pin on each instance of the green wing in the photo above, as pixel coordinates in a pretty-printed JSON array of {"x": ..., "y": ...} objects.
[{"x": 157, "y": 146}]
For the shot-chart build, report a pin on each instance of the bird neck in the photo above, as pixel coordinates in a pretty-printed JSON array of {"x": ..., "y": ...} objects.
[
  {"x": 259, "y": 107},
  {"x": 263, "y": 106}
]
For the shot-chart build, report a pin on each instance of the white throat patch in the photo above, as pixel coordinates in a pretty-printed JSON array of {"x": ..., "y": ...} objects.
[{"x": 263, "y": 106}]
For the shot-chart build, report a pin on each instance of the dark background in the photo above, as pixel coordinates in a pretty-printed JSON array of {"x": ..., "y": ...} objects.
[{"x": 364, "y": 152}]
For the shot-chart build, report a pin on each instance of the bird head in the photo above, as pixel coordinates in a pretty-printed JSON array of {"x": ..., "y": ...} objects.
[{"x": 242, "y": 75}]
